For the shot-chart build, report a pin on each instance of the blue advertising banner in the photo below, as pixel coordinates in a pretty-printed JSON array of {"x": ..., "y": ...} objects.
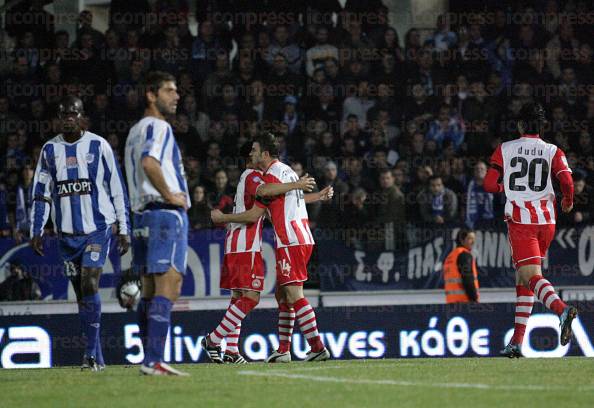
[
  {"x": 570, "y": 262},
  {"x": 479, "y": 330},
  {"x": 202, "y": 278}
]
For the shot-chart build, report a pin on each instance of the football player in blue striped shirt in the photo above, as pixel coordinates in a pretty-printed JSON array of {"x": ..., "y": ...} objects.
[
  {"x": 78, "y": 178},
  {"x": 159, "y": 200}
]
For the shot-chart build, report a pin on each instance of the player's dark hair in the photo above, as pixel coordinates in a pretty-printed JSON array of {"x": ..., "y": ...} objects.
[
  {"x": 462, "y": 234},
  {"x": 532, "y": 118},
  {"x": 155, "y": 80},
  {"x": 268, "y": 143},
  {"x": 434, "y": 177}
]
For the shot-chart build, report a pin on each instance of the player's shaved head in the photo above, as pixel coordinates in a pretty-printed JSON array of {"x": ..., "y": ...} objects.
[
  {"x": 71, "y": 114},
  {"x": 70, "y": 104}
]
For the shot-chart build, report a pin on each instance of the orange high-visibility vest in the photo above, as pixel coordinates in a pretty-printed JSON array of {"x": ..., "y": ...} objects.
[{"x": 454, "y": 289}]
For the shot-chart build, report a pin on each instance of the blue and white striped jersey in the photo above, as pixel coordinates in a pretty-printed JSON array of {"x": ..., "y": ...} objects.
[
  {"x": 153, "y": 137},
  {"x": 84, "y": 186}
]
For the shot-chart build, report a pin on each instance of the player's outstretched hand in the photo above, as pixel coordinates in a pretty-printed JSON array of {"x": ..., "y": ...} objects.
[
  {"x": 37, "y": 244},
  {"x": 327, "y": 193},
  {"x": 566, "y": 206},
  {"x": 123, "y": 244},
  {"x": 178, "y": 199},
  {"x": 307, "y": 183},
  {"x": 216, "y": 216}
]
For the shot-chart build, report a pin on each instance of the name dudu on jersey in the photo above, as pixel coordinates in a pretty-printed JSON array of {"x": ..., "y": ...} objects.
[{"x": 528, "y": 164}]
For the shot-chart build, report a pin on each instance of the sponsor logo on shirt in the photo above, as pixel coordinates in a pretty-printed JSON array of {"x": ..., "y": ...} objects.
[
  {"x": 74, "y": 187},
  {"x": 71, "y": 162}
]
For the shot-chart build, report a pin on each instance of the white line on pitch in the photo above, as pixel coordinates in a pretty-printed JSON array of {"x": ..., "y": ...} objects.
[{"x": 526, "y": 387}]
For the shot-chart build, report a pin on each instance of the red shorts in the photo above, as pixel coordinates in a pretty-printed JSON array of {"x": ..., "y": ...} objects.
[
  {"x": 529, "y": 242},
  {"x": 243, "y": 270},
  {"x": 291, "y": 264}
]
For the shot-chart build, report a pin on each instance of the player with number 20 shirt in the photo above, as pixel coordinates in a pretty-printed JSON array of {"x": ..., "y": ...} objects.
[{"x": 526, "y": 165}]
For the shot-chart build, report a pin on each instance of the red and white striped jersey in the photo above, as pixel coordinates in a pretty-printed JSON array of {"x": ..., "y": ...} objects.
[
  {"x": 287, "y": 211},
  {"x": 527, "y": 164},
  {"x": 245, "y": 237}
]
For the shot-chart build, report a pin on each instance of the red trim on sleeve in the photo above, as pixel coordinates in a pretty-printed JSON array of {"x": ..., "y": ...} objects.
[
  {"x": 566, "y": 184},
  {"x": 497, "y": 158},
  {"x": 490, "y": 183},
  {"x": 516, "y": 214},
  {"x": 559, "y": 163}
]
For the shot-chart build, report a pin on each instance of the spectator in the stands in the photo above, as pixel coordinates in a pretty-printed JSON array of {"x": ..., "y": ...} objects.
[
  {"x": 322, "y": 50},
  {"x": 330, "y": 212},
  {"x": 204, "y": 50},
  {"x": 360, "y": 218},
  {"x": 358, "y": 105},
  {"x": 282, "y": 42},
  {"x": 390, "y": 209},
  {"x": 583, "y": 202},
  {"x": 446, "y": 127},
  {"x": 438, "y": 205},
  {"x": 223, "y": 196},
  {"x": 479, "y": 204},
  {"x": 199, "y": 213},
  {"x": 24, "y": 201},
  {"x": 19, "y": 286}
]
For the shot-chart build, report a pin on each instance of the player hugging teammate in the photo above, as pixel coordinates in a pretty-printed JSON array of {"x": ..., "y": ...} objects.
[
  {"x": 525, "y": 166},
  {"x": 285, "y": 203}
]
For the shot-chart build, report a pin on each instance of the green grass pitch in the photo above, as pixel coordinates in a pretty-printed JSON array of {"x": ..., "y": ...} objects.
[{"x": 442, "y": 383}]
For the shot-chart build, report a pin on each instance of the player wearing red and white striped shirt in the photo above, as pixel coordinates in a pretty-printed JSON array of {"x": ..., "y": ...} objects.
[
  {"x": 294, "y": 243},
  {"x": 243, "y": 267},
  {"x": 526, "y": 165}
]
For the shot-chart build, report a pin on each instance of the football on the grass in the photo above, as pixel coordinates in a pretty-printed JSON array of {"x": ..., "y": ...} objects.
[{"x": 129, "y": 294}]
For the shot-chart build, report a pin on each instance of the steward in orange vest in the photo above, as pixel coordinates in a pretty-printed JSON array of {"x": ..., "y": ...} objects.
[{"x": 460, "y": 273}]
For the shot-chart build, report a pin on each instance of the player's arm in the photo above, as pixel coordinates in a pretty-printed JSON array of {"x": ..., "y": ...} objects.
[
  {"x": 42, "y": 199},
  {"x": 305, "y": 183},
  {"x": 464, "y": 262},
  {"x": 247, "y": 217},
  {"x": 151, "y": 164},
  {"x": 562, "y": 172},
  {"x": 119, "y": 198},
  {"x": 323, "y": 195},
  {"x": 491, "y": 183}
]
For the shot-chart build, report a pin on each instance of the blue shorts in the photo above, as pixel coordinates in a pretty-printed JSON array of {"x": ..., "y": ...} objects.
[
  {"x": 84, "y": 251},
  {"x": 160, "y": 241}
]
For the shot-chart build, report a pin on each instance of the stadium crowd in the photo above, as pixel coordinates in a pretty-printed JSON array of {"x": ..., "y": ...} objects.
[{"x": 401, "y": 127}]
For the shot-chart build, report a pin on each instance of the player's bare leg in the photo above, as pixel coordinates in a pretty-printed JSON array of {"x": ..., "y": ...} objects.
[
  {"x": 241, "y": 304},
  {"x": 167, "y": 288},
  {"x": 89, "y": 304},
  {"x": 286, "y": 321},
  {"x": 306, "y": 318}
]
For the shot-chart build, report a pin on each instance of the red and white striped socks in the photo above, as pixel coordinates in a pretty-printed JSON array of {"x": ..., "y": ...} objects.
[
  {"x": 545, "y": 292},
  {"x": 306, "y": 318},
  {"x": 524, "y": 303},
  {"x": 236, "y": 312},
  {"x": 232, "y": 341},
  {"x": 286, "y": 321}
]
